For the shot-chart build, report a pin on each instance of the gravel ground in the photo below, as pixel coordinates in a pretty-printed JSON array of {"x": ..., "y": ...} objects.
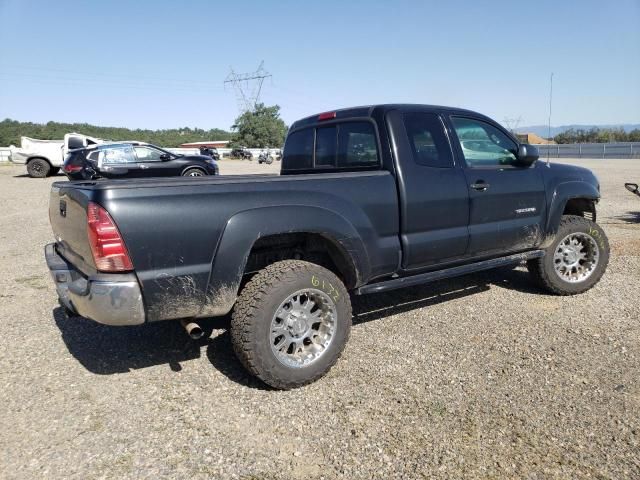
[{"x": 483, "y": 376}]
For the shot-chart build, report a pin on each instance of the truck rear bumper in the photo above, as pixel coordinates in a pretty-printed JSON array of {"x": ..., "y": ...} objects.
[{"x": 111, "y": 299}]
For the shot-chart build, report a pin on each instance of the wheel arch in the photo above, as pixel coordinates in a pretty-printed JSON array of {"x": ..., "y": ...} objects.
[
  {"x": 570, "y": 198},
  {"x": 255, "y": 238},
  {"x": 193, "y": 167}
]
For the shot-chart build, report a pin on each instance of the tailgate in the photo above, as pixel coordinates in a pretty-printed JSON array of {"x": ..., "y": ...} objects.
[{"x": 68, "y": 217}]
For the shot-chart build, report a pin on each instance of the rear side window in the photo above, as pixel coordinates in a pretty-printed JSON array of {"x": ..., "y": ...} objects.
[
  {"x": 117, "y": 155},
  {"x": 428, "y": 140},
  {"x": 357, "y": 146},
  {"x": 298, "y": 150},
  {"x": 93, "y": 156}
]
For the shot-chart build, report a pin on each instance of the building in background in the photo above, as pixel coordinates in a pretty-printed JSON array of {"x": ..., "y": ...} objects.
[{"x": 534, "y": 139}]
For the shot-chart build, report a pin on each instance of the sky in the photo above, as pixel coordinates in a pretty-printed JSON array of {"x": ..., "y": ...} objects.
[{"x": 162, "y": 64}]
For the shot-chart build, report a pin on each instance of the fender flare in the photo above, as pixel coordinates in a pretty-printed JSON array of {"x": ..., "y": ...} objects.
[
  {"x": 244, "y": 228},
  {"x": 562, "y": 193}
]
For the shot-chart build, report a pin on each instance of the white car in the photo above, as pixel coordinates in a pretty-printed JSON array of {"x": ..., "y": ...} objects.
[{"x": 45, "y": 157}]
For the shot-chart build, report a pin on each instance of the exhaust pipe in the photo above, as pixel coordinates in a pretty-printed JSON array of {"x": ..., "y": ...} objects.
[{"x": 193, "y": 329}]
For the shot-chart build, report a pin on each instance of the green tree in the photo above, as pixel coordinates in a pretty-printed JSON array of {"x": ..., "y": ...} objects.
[{"x": 260, "y": 128}]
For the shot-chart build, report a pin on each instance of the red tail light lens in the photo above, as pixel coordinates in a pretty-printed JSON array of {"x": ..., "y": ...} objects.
[
  {"x": 72, "y": 168},
  {"x": 109, "y": 251}
]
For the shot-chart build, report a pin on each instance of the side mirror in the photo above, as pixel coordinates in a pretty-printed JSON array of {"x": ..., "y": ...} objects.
[
  {"x": 527, "y": 154},
  {"x": 165, "y": 156},
  {"x": 632, "y": 187}
]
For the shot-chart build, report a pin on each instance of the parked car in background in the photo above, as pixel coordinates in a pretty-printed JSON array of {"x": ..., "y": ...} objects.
[
  {"x": 210, "y": 152},
  {"x": 242, "y": 153},
  {"x": 134, "y": 160},
  {"x": 45, "y": 157}
]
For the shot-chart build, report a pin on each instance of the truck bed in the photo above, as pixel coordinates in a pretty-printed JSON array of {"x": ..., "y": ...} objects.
[{"x": 184, "y": 265}]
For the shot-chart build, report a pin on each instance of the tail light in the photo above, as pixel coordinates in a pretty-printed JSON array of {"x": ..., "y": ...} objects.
[
  {"x": 109, "y": 251},
  {"x": 72, "y": 168}
]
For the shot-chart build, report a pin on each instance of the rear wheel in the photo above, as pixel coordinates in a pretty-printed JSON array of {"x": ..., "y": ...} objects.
[
  {"x": 576, "y": 260},
  {"x": 291, "y": 323},
  {"x": 194, "y": 172},
  {"x": 38, "y": 168}
]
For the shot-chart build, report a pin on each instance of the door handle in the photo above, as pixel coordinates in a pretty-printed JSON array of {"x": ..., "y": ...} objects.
[
  {"x": 480, "y": 186},
  {"x": 143, "y": 166}
]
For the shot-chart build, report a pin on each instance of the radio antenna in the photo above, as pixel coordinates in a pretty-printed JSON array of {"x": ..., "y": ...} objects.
[{"x": 549, "y": 131}]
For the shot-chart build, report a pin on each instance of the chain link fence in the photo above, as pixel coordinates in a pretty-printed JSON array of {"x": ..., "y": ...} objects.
[{"x": 591, "y": 150}]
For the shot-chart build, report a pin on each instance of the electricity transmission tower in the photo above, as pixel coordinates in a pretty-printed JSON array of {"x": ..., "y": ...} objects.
[
  {"x": 512, "y": 123},
  {"x": 247, "y": 87}
]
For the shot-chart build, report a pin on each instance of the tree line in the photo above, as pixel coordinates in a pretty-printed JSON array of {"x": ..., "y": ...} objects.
[
  {"x": 12, "y": 130},
  {"x": 597, "y": 135},
  {"x": 259, "y": 128}
]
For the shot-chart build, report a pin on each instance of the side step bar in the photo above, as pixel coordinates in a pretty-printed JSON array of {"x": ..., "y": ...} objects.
[{"x": 427, "y": 277}]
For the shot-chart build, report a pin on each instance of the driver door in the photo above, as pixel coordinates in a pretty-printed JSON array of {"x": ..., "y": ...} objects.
[{"x": 507, "y": 206}]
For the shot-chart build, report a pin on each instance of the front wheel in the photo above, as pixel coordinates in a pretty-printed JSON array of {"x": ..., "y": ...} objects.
[
  {"x": 291, "y": 323},
  {"x": 194, "y": 172},
  {"x": 576, "y": 260}
]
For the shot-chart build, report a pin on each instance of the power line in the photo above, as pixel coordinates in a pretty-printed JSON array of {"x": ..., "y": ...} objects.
[
  {"x": 247, "y": 87},
  {"x": 512, "y": 123}
]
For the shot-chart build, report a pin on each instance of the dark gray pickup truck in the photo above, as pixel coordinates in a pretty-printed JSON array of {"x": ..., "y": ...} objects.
[{"x": 369, "y": 199}]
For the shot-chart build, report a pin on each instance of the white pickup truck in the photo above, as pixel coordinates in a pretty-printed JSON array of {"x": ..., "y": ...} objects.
[{"x": 45, "y": 157}]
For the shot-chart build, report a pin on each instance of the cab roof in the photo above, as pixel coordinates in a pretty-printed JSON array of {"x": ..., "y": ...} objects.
[{"x": 368, "y": 110}]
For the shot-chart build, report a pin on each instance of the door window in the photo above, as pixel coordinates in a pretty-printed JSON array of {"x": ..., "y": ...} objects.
[
  {"x": 483, "y": 144},
  {"x": 428, "y": 140},
  {"x": 148, "y": 154}
]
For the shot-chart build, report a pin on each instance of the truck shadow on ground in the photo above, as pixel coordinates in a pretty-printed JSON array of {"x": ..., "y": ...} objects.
[
  {"x": 26, "y": 175},
  {"x": 629, "y": 217},
  {"x": 105, "y": 350}
]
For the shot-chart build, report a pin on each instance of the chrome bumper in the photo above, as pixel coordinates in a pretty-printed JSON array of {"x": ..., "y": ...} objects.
[{"x": 111, "y": 299}]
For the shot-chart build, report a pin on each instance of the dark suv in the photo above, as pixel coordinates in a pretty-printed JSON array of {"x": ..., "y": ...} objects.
[
  {"x": 134, "y": 160},
  {"x": 242, "y": 153}
]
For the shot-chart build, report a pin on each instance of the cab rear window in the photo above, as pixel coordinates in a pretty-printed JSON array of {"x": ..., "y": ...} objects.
[{"x": 342, "y": 146}]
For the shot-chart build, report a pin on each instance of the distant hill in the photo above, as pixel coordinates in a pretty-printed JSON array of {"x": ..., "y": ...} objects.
[
  {"x": 543, "y": 130},
  {"x": 12, "y": 130}
]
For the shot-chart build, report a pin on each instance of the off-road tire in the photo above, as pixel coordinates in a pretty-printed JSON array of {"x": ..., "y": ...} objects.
[
  {"x": 543, "y": 271},
  {"x": 254, "y": 311},
  {"x": 38, "y": 168}
]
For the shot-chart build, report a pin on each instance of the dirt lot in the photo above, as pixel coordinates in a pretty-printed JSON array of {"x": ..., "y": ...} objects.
[{"x": 481, "y": 377}]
